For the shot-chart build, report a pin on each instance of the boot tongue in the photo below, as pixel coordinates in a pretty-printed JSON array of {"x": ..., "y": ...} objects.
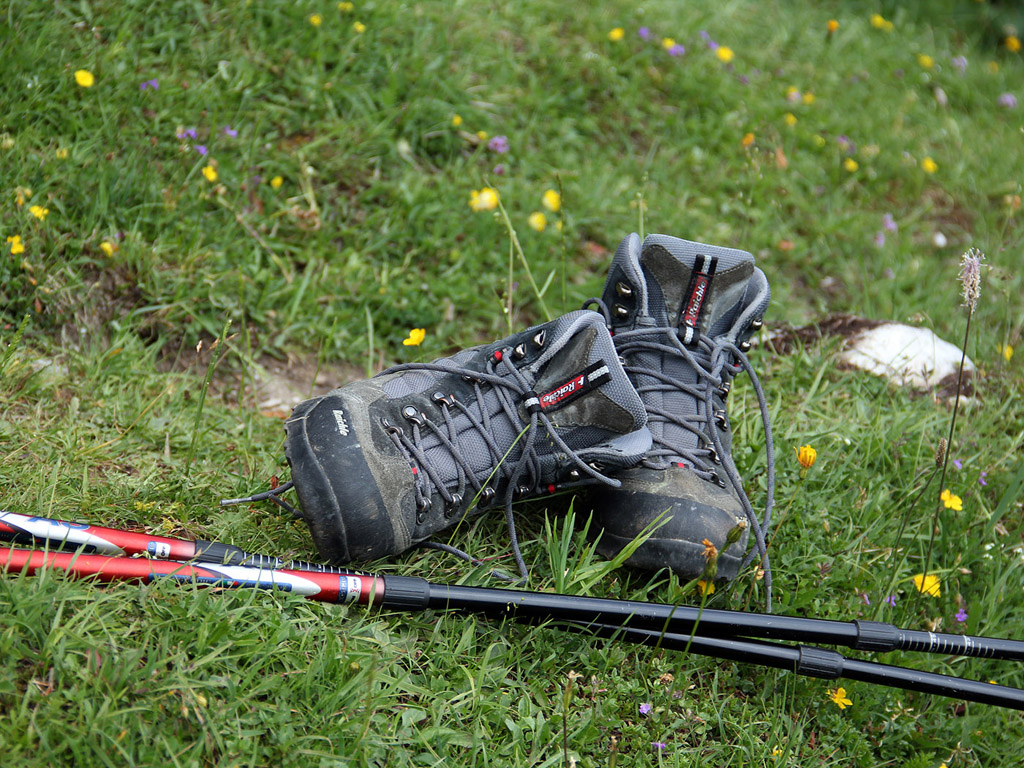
[{"x": 694, "y": 287}]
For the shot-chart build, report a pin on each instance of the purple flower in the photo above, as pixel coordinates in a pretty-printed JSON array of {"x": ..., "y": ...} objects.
[
  {"x": 846, "y": 144},
  {"x": 499, "y": 169},
  {"x": 645, "y": 708},
  {"x": 229, "y": 131},
  {"x": 889, "y": 223},
  {"x": 676, "y": 50},
  {"x": 705, "y": 36},
  {"x": 645, "y": 33},
  {"x": 188, "y": 132},
  {"x": 891, "y": 600},
  {"x": 149, "y": 84},
  {"x": 960, "y": 62},
  {"x": 1007, "y": 100},
  {"x": 958, "y": 464},
  {"x": 879, "y": 239},
  {"x": 981, "y": 478},
  {"x": 498, "y": 144},
  {"x": 659, "y": 745},
  {"x": 865, "y": 598},
  {"x": 961, "y": 615},
  {"x": 201, "y": 149}
]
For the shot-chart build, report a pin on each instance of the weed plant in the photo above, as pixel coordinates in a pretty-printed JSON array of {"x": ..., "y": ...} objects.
[{"x": 309, "y": 181}]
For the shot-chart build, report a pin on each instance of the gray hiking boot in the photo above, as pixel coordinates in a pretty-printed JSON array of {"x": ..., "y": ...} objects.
[
  {"x": 383, "y": 464},
  {"x": 681, "y": 314}
]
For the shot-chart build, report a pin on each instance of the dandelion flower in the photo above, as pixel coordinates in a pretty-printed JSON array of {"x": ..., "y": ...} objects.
[
  {"x": 951, "y": 500},
  {"x": 62, "y": 153},
  {"x": 807, "y": 98},
  {"x": 706, "y": 587},
  {"x": 929, "y": 166},
  {"x": 806, "y": 455},
  {"x": 850, "y": 164},
  {"x": 667, "y": 42},
  {"x": 108, "y": 247},
  {"x": 1013, "y": 44},
  {"x": 416, "y": 337},
  {"x": 926, "y": 61},
  {"x": 1007, "y": 352},
  {"x": 456, "y": 120},
  {"x": 276, "y": 182},
  {"x": 16, "y": 245},
  {"x": 840, "y": 698},
  {"x": 84, "y": 78},
  {"x": 724, "y": 54},
  {"x": 928, "y": 585},
  {"x": 537, "y": 221},
  {"x": 616, "y": 34},
  {"x": 831, "y": 27},
  {"x": 878, "y": 21},
  {"x": 39, "y": 211},
  {"x": 21, "y": 194},
  {"x": 485, "y": 199},
  {"x": 747, "y": 140},
  {"x": 552, "y": 200},
  {"x": 993, "y": 67},
  {"x": 316, "y": 19},
  {"x": 359, "y": 27},
  {"x": 481, "y": 135},
  {"x": 210, "y": 173},
  {"x": 346, "y": 7},
  {"x": 789, "y": 119}
]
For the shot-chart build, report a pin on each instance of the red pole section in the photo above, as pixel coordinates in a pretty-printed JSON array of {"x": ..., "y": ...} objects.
[
  {"x": 325, "y": 587},
  {"x": 107, "y": 541}
]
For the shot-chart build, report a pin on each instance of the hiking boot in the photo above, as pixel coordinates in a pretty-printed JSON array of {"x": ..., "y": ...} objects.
[
  {"x": 383, "y": 464},
  {"x": 681, "y": 314}
]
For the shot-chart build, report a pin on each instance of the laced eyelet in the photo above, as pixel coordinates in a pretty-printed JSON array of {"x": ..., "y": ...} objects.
[
  {"x": 623, "y": 289},
  {"x": 422, "y": 508},
  {"x": 391, "y": 428},
  {"x": 451, "y": 507},
  {"x": 413, "y": 415},
  {"x": 574, "y": 475},
  {"x": 487, "y": 495},
  {"x": 745, "y": 347},
  {"x": 721, "y": 418},
  {"x": 621, "y": 312},
  {"x": 718, "y": 479},
  {"x": 756, "y": 323},
  {"x": 521, "y": 491},
  {"x": 442, "y": 399},
  {"x": 540, "y": 338},
  {"x": 724, "y": 389},
  {"x": 519, "y": 352}
]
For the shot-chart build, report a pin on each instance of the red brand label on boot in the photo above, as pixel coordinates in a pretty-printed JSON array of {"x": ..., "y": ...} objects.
[
  {"x": 583, "y": 382},
  {"x": 696, "y": 292}
]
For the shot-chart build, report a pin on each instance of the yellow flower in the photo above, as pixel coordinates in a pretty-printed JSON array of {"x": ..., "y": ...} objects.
[
  {"x": 456, "y": 120},
  {"x": 850, "y": 164},
  {"x": 1013, "y": 44},
  {"x": 840, "y": 698},
  {"x": 316, "y": 19},
  {"x": 485, "y": 199},
  {"x": 84, "y": 78},
  {"x": 416, "y": 337},
  {"x": 346, "y": 7},
  {"x": 806, "y": 455},
  {"x": 747, "y": 140},
  {"x": 993, "y": 67},
  {"x": 108, "y": 248},
  {"x": 16, "y": 245},
  {"x": 880, "y": 22},
  {"x": 537, "y": 221},
  {"x": 210, "y": 173},
  {"x": 790, "y": 119},
  {"x": 552, "y": 200},
  {"x": 926, "y": 61},
  {"x": 21, "y": 194},
  {"x": 38, "y": 211},
  {"x": 667, "y": 42},
  {"x": 724, "y": 54},
  {"x": 819, "y": 141},
  {"x": 928, "y": 585},
  {"x": 616, "y": 34},
  {"x": 929, "y": 166},
  {"x": 62, "y": 153},
  {"x": 481, "y": 135},
  {"x": 807, "y": 98},
  {"x": 706, "y": 587},
  {"x": 951, "y": 500},
  {"x": 776, "y": 752},
  {"x": 1007, "y": 352},
  {"x": 832, "y": 26},
  {"x": 359, "y": 27},
  {"x": 276, "y": 182}
]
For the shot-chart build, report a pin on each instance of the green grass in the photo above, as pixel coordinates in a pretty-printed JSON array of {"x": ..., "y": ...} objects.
[{"x": 370, "y": 234}]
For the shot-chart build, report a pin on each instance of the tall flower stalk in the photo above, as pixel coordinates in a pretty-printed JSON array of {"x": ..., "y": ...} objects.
[{"x": 970, "y": 280}]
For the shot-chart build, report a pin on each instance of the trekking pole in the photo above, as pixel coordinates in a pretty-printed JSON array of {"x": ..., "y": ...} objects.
[
  {"x": 413, "y": 593},
  {"x": 405, "y": 593}
]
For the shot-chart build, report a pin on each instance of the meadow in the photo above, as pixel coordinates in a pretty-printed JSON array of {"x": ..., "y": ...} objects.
[{"x": 193, "y": 193}]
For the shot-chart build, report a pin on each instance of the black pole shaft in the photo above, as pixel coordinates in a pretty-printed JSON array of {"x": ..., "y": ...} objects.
[
  {"x": 815, "y": 662},
  {"x": 709, "y": 622}
]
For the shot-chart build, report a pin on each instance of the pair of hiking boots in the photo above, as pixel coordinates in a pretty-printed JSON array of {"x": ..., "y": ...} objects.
[{"x": 625, "y": 406}]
